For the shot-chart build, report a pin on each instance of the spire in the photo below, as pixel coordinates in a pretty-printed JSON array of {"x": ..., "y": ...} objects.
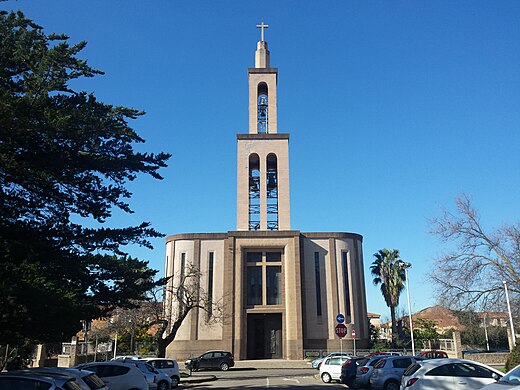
[{"x": 262, "y": 54}]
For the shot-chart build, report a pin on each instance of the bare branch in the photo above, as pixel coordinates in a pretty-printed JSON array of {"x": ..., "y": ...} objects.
[{"x": 471, "y": 275}]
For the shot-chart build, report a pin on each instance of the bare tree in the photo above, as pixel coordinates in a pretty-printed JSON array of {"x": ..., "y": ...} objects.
[
  {"x": 472, "y": 274},
  {"x": 183, "y": 293}
]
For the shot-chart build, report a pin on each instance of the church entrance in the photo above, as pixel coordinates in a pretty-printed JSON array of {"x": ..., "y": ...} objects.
[{"x": 264, "y": 336}]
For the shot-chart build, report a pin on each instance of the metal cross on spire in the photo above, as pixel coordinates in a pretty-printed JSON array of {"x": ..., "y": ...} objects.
[{"x": 262, "y": 26}]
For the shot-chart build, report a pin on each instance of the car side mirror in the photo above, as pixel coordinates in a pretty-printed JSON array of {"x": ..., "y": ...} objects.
[{"x": 496, "y": 376}]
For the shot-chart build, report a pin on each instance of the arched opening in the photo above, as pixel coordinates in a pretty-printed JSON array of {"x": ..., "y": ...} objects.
[
  {"x": 254, "y": 192},
  {"x": 272, "y": 192},
  {"x": 262, "y": 102}
]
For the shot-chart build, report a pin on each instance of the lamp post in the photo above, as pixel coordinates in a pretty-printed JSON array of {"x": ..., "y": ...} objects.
[
  {"x": 406, "y": 266},
  {"x": 513, "y": 336}
]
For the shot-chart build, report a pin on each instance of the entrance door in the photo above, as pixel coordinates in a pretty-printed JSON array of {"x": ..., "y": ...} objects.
[{"x": 264, "y": 336}]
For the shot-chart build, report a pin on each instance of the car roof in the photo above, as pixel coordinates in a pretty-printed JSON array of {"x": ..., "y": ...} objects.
[
  {"x": 439, "y": 362},
  {"x": 112, "y": 362},
  {"x": 49, "y": 377},
  {"x": 217, "y": 350},
  {"x": 72, "y": 372},
  {"x": 393, "y": 357},
  {"x": 156, "y": 358}
]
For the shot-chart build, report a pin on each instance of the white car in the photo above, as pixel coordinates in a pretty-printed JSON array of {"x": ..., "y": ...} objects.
[
  {"x": 316, "y": 362},
  {"x": 330, "y": 368},
  {"x": 117, "y": 375},
  {"x": 447, "y": 374},
  {"x": 169, "y": 366},
  {"x": 511, "y": 380}
]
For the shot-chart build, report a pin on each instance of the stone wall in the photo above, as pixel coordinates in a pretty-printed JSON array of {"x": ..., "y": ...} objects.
[{"x": 488, "y": 358}]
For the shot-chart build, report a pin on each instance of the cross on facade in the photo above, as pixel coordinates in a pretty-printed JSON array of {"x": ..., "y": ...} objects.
[{"x": 262, "y": 26}]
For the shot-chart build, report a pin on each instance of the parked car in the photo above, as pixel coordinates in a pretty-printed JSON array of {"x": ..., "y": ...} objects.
[
  {"x": 218, "y": 360},
  {"x": 168, "y": 366},
  {"x": 117, "y": 375},
  {"x": 156, "y": 380},
  {"x": 508, "y": 381},
  {"x": 316, "y": 362},
  {"x": 349, "y": 369},
  {"x": 125, "y": 357},
  {"x": 385, "y": 353},
  {"x": 432, "y": 354},
  {"x": 330, "y": 368},
  {"x": 448, "y": 374},
  {"x": 87, "y": 380},
  {"x": 37, "y": 381},
  {"x": 388, "y": 371},
  {"x": 364, "y": 370}
]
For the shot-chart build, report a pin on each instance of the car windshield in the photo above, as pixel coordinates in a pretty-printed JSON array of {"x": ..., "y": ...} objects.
[{"x": 512, "y": 377}]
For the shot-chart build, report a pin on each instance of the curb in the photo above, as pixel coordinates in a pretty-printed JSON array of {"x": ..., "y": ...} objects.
[{"x": 197, "y": 379}]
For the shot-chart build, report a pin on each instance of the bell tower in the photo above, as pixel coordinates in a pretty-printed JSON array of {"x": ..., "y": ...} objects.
[{"x": 263, "y": 154}]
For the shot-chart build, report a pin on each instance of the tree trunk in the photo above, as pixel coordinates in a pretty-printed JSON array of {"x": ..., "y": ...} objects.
[
  {"x": 394, "y": 326},
  {"x": 161, "y": 348}
]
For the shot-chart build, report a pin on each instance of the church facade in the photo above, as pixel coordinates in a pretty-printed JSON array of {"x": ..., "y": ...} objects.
[{"x": 281, "y": 289}]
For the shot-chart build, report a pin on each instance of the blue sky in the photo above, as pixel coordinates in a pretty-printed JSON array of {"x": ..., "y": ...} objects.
[{"x": 394, "y": 109}]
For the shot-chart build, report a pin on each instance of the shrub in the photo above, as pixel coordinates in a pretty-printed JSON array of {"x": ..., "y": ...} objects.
[{"x": 513, "y": 359}]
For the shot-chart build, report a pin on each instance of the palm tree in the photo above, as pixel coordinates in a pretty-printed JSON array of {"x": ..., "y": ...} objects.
[{"x": 388, "y": 271}]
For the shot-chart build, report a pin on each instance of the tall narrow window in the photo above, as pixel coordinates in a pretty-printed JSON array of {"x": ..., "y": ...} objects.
[
  {"x": 346, "y": 285},
  {"x": 263, "y": 117},
  {"x": 182, "y": 281},
  {"x": 318, "y": 282},
  {"x": 272, "y": 192},
  {"x": 254, "y": 285},
  {"x": 254, "y": 192},
  {"x": 209, "y": 308},
  {"x": 273, "y": 285}
]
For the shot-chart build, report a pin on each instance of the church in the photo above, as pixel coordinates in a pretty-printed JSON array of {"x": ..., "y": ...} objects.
[{"x": 282, "y": 289}]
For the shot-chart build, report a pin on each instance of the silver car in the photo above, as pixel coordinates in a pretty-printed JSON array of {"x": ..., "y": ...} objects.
[
  {"x": 388, "y": 372},
  {"x": 510, "y": 380},
  {"x": 24, "y": 380},
  {"x": 449, "y": 374},
  {"x": 168, "y": 366},
  {"x": 156, "y": 380},
  {"x": 87, "y": 380},
  {"x": 117, "y": 375},
  {"x": 364, "y": 370}
]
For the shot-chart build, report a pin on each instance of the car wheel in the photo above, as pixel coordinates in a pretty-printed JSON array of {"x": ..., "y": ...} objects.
[
  {"x": 162, "y": 385},
  {"x": 224, "y": 366},
  {"x": 325, "y": 377},
  {"x": 175, "y": 381},
  {"x": 392, "y": 385}
]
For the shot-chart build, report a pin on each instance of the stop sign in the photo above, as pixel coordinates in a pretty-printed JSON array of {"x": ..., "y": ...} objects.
[{"x": 341, "y": 330}]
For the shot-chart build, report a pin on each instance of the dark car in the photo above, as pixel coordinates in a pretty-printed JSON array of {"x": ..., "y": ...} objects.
[
  {"x": 348, "y": 370},
  {"x": 217, "y": 360}
]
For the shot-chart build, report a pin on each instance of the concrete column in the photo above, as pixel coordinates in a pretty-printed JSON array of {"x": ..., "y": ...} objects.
[
  {"x": 41, "y": 355},
  {"x": 457, "y": 344},
  {"x": 73, "y": 352}
]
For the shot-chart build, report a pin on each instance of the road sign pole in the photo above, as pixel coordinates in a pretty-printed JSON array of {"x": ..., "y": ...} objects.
[
  {"x": 354, "y": 347},
  {"x": 341, "y": 346}
]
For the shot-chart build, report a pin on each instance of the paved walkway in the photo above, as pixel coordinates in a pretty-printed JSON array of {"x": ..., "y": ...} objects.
[{"x": 207, "y": 376}]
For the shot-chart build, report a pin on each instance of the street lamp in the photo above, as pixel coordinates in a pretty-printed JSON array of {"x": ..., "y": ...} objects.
[
  {"x": 406, "y": 266},
  {"x": 513, "y": 336}
]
